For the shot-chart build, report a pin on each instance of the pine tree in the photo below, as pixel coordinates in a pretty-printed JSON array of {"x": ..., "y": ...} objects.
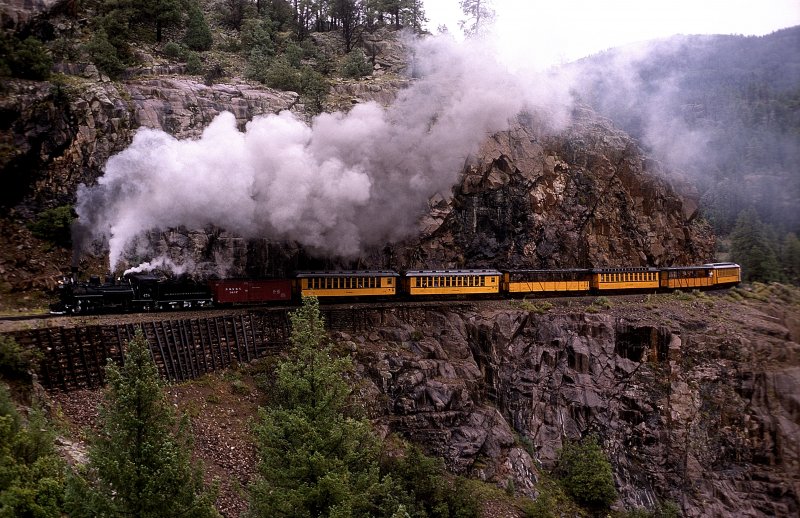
[
  {"x": 790, "y": 257},
  {"x": 198, "y": 35},
  {"x": 31, "y": 472},
  {"x": 751, "y": 248},
  {"x": 315, "y": 460},
  {"x": 140, "y": 462},
  {"x": 479, "y": 15}
]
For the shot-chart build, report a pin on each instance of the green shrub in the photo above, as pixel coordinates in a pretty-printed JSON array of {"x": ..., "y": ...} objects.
[
  {"x": 585, "y": 474},
  {"x": 104, "y": 54},
  {"x": 54, "y": 225},
  {"x": 174, "y": 51},
  {"x": 213, "y": 73},
  {"x": 603, "y": 302},
  {"x": 282, "y": 76},
  {"x": 194, "y": 64},
  {"x": 294, "y": 54},
  {"x": 27, "y": 59},
  {"x": 16, "y": 361},
  {"x": 256, "y": 36},
  {"x": 356, "y": 65},
  {"x": 314, "y": 88},
  {"x": 31, "y": 473},
  {"x": 239, "y": 387}
]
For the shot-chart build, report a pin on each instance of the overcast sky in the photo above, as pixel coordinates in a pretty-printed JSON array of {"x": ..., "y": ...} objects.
[{"x": 556, "y": 31}]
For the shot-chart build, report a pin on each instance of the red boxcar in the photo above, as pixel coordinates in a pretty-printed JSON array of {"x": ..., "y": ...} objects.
[{"x": 251, "y": 292}]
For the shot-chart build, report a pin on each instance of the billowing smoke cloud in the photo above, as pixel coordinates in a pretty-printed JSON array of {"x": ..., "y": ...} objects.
[{"x": 346, "y": 182}]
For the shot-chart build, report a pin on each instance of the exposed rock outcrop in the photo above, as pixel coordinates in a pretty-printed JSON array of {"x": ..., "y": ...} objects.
[
  {"x": 585, "y": 197},
  {"x": 695, "y": 400}
]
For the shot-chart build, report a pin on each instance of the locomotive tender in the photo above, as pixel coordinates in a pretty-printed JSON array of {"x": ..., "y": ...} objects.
[{"x": 145, "y": 292}]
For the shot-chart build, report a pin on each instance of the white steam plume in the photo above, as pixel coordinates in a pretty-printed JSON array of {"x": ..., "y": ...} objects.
[{"x": 344, "y": 183}]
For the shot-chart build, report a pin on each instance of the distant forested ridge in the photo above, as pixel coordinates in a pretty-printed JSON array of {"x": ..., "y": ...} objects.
[{"x": 724, "y": 110}]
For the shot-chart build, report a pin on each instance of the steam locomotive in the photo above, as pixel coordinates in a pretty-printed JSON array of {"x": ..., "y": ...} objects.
[{"x": 146, "y": 292}]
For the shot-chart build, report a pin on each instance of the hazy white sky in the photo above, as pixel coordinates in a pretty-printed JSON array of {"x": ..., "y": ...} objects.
[{"x": 563, "y": 30}]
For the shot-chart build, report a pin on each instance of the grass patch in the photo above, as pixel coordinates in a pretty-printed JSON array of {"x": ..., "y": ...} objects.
[{"x": 539, "y": 308}]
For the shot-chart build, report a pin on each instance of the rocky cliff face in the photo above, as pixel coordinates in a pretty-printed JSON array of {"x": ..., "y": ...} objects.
[
  {"x": 694, "y": 398},
  {"x": 586, "y": 196}
]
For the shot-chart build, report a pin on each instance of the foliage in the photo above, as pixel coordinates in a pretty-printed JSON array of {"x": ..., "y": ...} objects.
[
  {"x": 104, "y": 54},
  {"x": 157, "y": 15},
  {"x": 356, "y": 65},
  {"x": 751, "y": 248},
  {"x": 585, "y": 474},
  {"x": 193, "y": 63},
  {"x": 790, "y": 257},
  {"x": 16, "y": 361},
  {"x": 54, "y": 225},
  {"x": 315, "y": 459},
  {"x": 31, "y": 473},
  {"x": 198, "y": 34},
  {"x": 233, "y": 13},
  {"x": 421, "y": 483},
  {"x": 174, "y": 51},
  {"x": 256, "y": 36},
  {"x": 27, "y": 59},
  {"x": 140, "y": 462},
  {"x": 280, "y": 74},
  {"x": 314, "y": 88},
  {"x": 294, "y": 54},
  {"x": 479, "y": 14}
]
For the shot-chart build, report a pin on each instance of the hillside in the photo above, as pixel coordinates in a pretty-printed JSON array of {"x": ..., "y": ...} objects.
[
  {"x": 693, "y": 395},
  {"x": 236, "y": 138},
  {"x": 722, "y": 109}
]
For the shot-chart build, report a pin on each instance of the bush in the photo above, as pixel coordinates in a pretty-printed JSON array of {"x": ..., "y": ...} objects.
[
  {"x": 32, "y": 475},
  {"x": 104, "y": 54},
  {"x": 314, "y": 88},
  {"x": 54, "y": 225},
  {"x": 27, "y": 59},
  {"x": 16, "y": 361},
  {"x": 282, "y": 76},
  {"x": 585, "y": 474},
  {"x": 294, "y": 54},
  {"x": 256, "y": 37},
  {"x": 174, "y": 51},
  {"x": 194, "y": 65},
  {"x": 356, "y": 65}
]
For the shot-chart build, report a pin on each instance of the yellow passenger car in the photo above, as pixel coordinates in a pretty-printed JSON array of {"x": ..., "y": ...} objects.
[
  {"x": 725, "y": 274},
  {"x": 624, "y": 279},
  {"x": 543, "y": 281},
  {"x": 357, "y": 283},
  {"x": 687, "y": 277},
  {"x": 451, "y": 282}
]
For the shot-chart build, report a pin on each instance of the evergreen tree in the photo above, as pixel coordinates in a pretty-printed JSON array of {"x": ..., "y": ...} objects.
[
  {"x": 790, "y": 257},
  {"x": 140, "y": 463},
  {"x": 751, "y": 248},
  {"x": 198, "y": 35},
  {"x": 31, "y": 472},
  {"x": 586, "y": 474},
  {"x": 479, "y": 15},
  {"x": 158, "y": 14},
  {"x": 315, "y": 460},
  {"x": 104, "y": 54}
]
